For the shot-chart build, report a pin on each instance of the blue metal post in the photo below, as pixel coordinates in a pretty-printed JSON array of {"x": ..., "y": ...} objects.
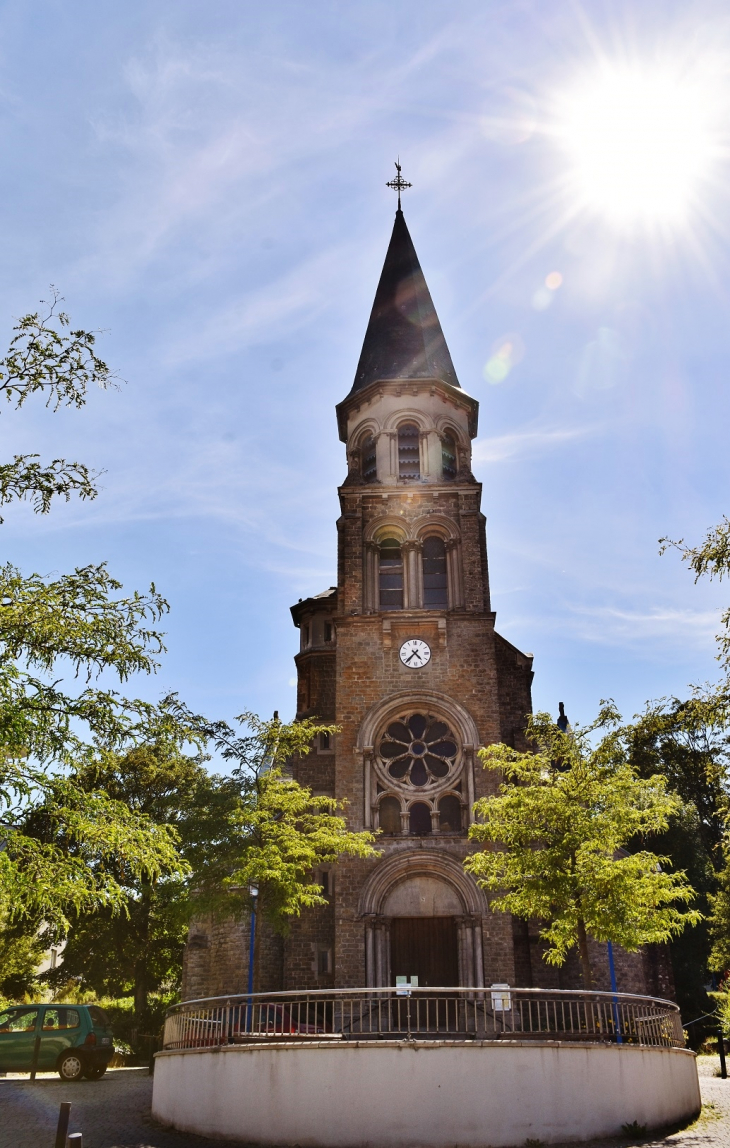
[
  {"x": 614, "y": 989},
  {"x": 249, "y": 1006}
]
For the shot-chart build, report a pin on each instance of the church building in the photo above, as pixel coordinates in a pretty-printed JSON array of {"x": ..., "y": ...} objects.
[{"x": 402, "y": 655}]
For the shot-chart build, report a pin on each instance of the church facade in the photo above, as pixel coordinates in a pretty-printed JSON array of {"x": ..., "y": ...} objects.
[{"x": 402, "y": 655}]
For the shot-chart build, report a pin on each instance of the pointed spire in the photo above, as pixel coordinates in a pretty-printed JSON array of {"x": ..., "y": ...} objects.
[{"x": 404, "y": 339}]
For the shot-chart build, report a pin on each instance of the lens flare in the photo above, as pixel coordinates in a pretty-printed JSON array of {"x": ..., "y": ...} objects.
[
  {"x": 507, "y": 352},
  {"x": 639, "y": 141}
]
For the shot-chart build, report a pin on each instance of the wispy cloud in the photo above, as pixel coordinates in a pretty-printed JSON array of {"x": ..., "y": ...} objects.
[
  {"x": 626, "y": 627},
  {"x": 528, "y": 442}
]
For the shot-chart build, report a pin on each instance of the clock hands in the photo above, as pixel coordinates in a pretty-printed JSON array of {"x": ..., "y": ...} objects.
[{"x": 414, "y": 653}]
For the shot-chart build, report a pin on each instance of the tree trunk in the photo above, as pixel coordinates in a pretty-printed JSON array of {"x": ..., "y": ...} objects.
[
  {"x": 141, "y": 978},
  {"x": 584, "y": 958}
]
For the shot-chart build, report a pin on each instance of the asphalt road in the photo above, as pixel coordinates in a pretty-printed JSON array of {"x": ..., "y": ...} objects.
[{"x": 114, "y": 1112}]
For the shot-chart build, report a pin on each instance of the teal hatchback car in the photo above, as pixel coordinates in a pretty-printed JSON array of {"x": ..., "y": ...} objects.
[{"x": 72, "y": 1040}]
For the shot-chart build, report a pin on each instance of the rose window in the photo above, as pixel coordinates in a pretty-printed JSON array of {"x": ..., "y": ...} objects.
[{"x": 418, "y": 750}]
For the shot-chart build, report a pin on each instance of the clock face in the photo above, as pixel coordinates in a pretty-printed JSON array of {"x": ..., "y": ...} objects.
[{"x": 415, "y": 653}]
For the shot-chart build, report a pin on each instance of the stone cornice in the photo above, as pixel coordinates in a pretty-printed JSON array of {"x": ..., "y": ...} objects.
[{"x": 367, "y": 395}]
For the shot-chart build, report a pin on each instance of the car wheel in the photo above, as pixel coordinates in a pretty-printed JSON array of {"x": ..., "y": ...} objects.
[
  {"x": 71, "y": 1067},
  {"x": 95, "y": 1073}
]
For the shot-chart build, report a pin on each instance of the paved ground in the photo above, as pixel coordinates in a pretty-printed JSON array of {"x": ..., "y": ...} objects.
[{"x": 114, "y": 1112}]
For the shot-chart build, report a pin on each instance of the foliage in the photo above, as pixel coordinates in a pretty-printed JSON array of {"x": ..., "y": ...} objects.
[
  {"x": 140, "y": 949},
  {"x": 710, "y": 559},
  {"x": 20, "y": 955},
  {"x": 276, "y": 832},
  {"x": 46, "y": 357},
  {"x": 711, "y": 707},
  {"x": 722, "y": 1003},
  {"x": 48, "y": 724},
  {"x": 557, "y": 836},
  {"x": 686, "y": 741},
  {"x": 254, "y": 827}
]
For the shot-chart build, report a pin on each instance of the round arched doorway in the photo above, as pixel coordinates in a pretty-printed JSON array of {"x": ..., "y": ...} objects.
[
  {"x": 423, "y": 912},
  {"x": 423, "y": 918}
]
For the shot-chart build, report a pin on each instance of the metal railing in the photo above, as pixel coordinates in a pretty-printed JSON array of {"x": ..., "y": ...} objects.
[{"x": 495, "y": 1013}]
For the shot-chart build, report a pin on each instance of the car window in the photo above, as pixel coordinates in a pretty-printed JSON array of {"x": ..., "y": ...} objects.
[
  {"x": 18, "y": 1020},
  {"x": 98, "y": 1016},
  {"x": 58, "y": 1018}
]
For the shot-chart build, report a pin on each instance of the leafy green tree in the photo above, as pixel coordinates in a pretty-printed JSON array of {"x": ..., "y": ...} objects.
[
  {"x": 47, "y": 358},
  {"x": 21, "y": 953},
  {"x": 711, "y": 559},
  {"x": 52, "y": 720},
  {"x": 686, "y": 742},
  {"x": 711, "y": 708},
  {"x": 256, "y": 826},
  {"x": 277, "y": 832},
  {"x": 556, "y": 840},
  {"x": 139, "y": 950}
]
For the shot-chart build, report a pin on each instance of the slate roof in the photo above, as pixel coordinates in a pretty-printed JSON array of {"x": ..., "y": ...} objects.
[{"x": 404, "y": 339}]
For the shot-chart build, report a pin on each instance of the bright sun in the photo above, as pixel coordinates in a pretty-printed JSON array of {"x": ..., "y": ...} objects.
[{"x": 639, "y": 143}]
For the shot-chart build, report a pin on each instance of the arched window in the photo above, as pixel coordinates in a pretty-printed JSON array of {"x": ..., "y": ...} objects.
[
  {"x": 448, "y": 456},
  {"x": 435, "y": 580},
  {"x": 420, "y": 819},
  {"x": 389, "y": 815},
  {"x": 391, "y": 575},
  {"x": 409, "y": 465},
  {"x": 368, "y": 465},
  {"x": 450, "y": 814}
]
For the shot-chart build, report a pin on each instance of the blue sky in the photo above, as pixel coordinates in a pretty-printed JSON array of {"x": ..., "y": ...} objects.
[{"x": 205, "y": 183}]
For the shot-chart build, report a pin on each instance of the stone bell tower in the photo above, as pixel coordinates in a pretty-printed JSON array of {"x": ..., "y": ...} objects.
[{"x": 403, "y": 656}]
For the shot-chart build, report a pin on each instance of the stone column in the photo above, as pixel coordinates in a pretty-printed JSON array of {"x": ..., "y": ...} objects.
[
  {"x": 466, "y": 951},
  {"x": 453, "y": 570},
  {"x": 478, "y": 952},
  {"x": 391, "y": 439},
  {"x": 370, "y": 589},
  {"x": 382, "y": 951},
  {"x": 425, "y": 462},
  {"x": 412, "y": 594},
  {"x": 367, "y": 786},
  {"x": 369, "y": 953},
  {"x": 382, "y": 456},
  {"x": 468, "y": 752}
]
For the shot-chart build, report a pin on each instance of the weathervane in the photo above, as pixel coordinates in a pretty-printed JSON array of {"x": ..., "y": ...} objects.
[{"x": 398, "y": 184}]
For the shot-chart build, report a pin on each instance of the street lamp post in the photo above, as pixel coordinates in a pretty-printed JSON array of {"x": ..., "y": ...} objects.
[
  {"x": 614, "y": 989},
  {"x": 254, "y": 891}
]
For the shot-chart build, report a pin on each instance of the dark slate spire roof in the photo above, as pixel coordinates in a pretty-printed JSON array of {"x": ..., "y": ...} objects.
[{"x": 404, "y": 339}]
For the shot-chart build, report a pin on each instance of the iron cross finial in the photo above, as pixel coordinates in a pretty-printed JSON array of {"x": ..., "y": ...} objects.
[{"x": 398, "y": 184}]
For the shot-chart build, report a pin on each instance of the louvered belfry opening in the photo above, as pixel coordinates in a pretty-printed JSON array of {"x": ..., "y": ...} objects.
[
  {"x": 435, "y": 579},
  {"x": 368, "y": 461},
  {"x": 391, "y": 575},
  {"x": 409, "y": 464},
  {"x": 448, "y": 456}
]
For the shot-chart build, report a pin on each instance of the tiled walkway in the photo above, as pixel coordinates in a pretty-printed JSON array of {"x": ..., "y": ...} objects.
[{"x": 115, "y": 1113}]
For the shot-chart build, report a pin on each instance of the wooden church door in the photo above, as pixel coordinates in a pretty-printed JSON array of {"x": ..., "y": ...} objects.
[{"x": 424, "y": 947}]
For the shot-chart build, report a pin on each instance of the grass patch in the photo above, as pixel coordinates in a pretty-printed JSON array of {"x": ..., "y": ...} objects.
[{"x": 633, "y": 1129}]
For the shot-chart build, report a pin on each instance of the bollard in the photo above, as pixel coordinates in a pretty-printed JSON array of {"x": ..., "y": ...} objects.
[
  {"x": 721, "y": 1050},
  {"x": 75, "y": 1140},
  {"x": 62, "y": 1127},
  {"x": 34, "y": 1061}
]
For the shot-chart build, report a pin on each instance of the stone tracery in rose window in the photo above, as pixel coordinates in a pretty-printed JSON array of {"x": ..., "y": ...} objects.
[{"x": 419, "y": 751}]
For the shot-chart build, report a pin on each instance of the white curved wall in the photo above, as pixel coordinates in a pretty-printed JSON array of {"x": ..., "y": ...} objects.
[{"x": 429, "y": 1095}]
